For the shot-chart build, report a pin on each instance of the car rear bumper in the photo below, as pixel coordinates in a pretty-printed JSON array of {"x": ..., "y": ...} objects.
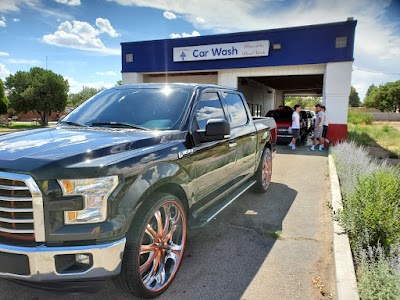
[{"x": 41, "y": 263}]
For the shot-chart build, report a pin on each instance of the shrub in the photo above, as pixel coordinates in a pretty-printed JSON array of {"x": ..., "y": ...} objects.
[
  {"x": 371, "y": 215},
  {"x": 357, "y": 117},
  {"x": 377, "y": 280},
  {"x": 352, "y": 162}
]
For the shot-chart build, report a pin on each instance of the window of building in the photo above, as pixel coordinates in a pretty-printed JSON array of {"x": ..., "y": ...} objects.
[
  {"x": 341, "y": 42},
  {"x": 129, "y": 58}
]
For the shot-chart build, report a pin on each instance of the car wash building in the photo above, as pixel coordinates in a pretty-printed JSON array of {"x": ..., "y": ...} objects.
[{"x": 264, "y": 65}]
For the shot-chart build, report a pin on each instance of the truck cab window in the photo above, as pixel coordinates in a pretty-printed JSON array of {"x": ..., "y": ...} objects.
[
  {"x": 237, "y": 110},
  {"x": 209, "y": 107}
]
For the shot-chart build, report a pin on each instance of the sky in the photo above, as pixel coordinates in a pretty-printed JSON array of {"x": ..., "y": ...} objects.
[{"x": 80, "y": 39}]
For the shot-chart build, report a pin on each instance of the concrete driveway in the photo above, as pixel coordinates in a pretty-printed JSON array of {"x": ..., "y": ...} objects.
[{"x": 276, "y": 245}]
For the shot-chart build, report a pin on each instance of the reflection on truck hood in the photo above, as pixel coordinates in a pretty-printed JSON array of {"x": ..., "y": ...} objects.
[{"x": 58, "y": 143}]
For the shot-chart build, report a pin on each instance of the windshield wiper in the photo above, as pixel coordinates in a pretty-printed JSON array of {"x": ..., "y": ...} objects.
[
  {"x": 119, "y": 124},
  {"x": 72, "y": 123}
]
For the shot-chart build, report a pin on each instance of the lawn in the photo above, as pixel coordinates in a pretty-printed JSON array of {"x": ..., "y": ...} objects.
[
  {"x": 22, "y": 125},
  {"x": 384, "y": 135}
]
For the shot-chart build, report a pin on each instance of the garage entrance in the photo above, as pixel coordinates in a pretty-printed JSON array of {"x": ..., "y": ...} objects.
[{"x": 264, "y": 93}]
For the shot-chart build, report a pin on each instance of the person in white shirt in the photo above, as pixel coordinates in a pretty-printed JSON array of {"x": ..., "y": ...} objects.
[
  {"x": 295, "y": 126},
  {"x": 318, "y": 128},
  {"x": 325, "y": 125}
]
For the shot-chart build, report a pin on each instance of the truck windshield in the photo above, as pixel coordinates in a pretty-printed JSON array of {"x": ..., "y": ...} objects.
[{"x": 160, "y": 109}]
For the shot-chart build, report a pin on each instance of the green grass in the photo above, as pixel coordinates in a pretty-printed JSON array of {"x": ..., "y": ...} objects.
[
  {"x": 356, "y": 117},
  {"x": 23, "y": 125},
  {"x": 384, "y": 135}
]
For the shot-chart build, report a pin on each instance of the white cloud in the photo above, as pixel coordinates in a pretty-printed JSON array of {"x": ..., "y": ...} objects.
[
  {"x": 200, "y": 20},
  {"x": 81, "y": 35},
  {"x": 377, "y": 44},
  {"x": 184, "y": 35},
  {"x": 30, "y": 62},
  {"x": 4, "y": 72},
  {"x": 105, "y": 26},
  {"x": 107, "y": 73},
  {"x": 16, "y": 20},
  {"x": 4, "y": 18},
  {"x": 169, "y": 15},
  {"x": 175, "y": 35},
  {"x": 2, "y": 23},
  {"x": 14, "y": 5},
  {"x": 76, "y": 86},
  {"x": 69, "y": 2},
  {"x": 4, "y": 54}
]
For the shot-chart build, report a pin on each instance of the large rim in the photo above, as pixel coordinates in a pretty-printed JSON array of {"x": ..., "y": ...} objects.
[
  {"x": 162, "y": 246},
  {"x": 267, "y": 169}
]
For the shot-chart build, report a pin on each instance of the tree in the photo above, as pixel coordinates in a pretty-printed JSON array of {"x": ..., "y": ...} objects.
[
  {"x": 385, "y": 97},
  {"x": 78, "y": 98},
  {"x": 354, "y": 99},
  {"x": 304, "y": 102},
  {"x": 38, "y": 90},
  {"x": 119, "y": 82},
  {"x": 368, "y": 100},
  {"x": 3, "y": 100}
]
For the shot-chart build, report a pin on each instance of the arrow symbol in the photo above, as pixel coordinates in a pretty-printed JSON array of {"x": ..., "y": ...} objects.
[{"x": 183, "y": 55}]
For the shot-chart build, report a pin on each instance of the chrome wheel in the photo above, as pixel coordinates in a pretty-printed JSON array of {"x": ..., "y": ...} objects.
[
  {"x": 266, "y": 169},
  {"x": 162, "y": 246}
]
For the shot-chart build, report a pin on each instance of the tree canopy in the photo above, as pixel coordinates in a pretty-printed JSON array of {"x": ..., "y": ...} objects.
[
  {"x": 304, "y": 102},
  {"x": 38, "y": 90},
  {"x": 3, "y": 100},
  {"x": 354, "y": 99},
  {"x": 386, "y": 97},
  {"x": 80, "y": 97}
]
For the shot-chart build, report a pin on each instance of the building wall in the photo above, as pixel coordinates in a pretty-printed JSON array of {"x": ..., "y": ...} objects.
[
  {"x": 230, "y": 77},
  {"x": 257, "y": 93},
  {"x": 313, "y": 44},
  {"x": 188, "y": 78}
]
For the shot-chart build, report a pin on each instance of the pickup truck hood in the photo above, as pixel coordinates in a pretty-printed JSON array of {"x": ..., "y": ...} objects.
[{"x": 29, "y": 150}]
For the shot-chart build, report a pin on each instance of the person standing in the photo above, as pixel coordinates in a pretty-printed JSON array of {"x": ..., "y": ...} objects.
[
  {"x": 295, "y": 126},
  {"x": 325, "y": 125},
  {"x": 318, "y": 128}
]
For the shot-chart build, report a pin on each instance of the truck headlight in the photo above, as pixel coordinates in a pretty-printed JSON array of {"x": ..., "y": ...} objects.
[{"x": 95, "y": 192}]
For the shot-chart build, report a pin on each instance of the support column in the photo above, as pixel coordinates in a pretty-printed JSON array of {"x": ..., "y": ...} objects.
[
  {"x": 336, "y": 92},
  {"x": 131, "y": 78},
  {"x": 278, "y": 99}
]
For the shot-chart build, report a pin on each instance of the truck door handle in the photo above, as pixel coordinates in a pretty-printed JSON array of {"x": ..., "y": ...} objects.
[
  {"x": 253, "y": 137},
  {"x": 232, "y": 144}
]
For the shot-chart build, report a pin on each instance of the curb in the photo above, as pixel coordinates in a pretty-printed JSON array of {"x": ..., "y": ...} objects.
[{"x": 346, "y": 283}]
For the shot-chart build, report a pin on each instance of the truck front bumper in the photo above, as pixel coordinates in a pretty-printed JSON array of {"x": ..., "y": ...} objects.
[{"x": 43, "y": 263}]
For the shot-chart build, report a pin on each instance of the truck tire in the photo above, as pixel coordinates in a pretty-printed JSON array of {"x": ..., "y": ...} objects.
[
  {"x": 155, "y": 246},
  {"x": 264, "y": 172}
]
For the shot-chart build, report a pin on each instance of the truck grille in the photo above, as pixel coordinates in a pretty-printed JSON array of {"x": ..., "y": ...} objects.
[{"x": 17, "y": 209}]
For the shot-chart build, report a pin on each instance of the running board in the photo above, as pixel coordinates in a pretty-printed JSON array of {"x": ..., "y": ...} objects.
[{"x": 215, "y": 210}]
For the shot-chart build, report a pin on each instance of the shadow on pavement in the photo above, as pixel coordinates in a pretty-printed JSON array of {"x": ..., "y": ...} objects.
[{"x": 221, "y": 259}]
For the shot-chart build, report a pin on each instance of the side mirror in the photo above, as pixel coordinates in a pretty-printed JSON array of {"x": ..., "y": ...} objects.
[{"x": 216, "y": 129}]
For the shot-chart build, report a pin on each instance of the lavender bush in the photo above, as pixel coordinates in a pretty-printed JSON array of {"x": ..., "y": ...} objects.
[
  {"x": 352, "y": 162},
  {"x": 371, "y": 217}
]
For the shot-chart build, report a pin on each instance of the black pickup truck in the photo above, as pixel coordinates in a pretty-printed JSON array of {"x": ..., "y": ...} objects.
[{"x": 113, "y": 188}]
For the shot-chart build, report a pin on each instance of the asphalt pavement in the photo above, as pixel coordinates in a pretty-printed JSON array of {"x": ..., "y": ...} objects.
[{"x": 276, "y": 245}]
